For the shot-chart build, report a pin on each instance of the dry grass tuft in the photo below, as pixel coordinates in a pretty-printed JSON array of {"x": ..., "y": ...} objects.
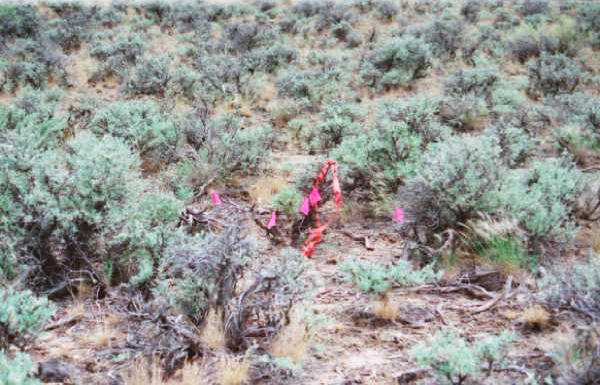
[
  {"x": 386, "y": 308},
  {"x": 143, "y": 372},
  {"x": 263, "y": 190},
  {"x": 292, "y": 342},
  {"x": 536, "y": 318},
  {"x": 232, "y": 370},
  {"x": 213, "y": 333}
]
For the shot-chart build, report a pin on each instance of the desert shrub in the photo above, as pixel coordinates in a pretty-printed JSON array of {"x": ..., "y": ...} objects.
[
  {"x": 421, "y": 115},
  {"x": 313, "y": 87},
  {"x": 445, "y": 36},
  {"x": 478, "y": 82},
  {"x": 470, "y": 10},
  {"x": 31, "y": 62},
  {"x": 142, "y": 125},
  {"x": 269, "y": 59},
  {"x": 379, "y": 160},
  {"x": 524, "y": 43},
  {"x": 467, "y": 112},
  {"x": 374, "y": 278},
  {"x": 149, "y": 76},
  {"x": 18, "y": 20},
  {"x": 184, "y": 82},
  {"x": 516, "y": 144},
  {"x": 560, "y": 36},
  {"x": 203, "y": 271},
  {"x": 573, "y": 286},
  {"x": 507, "y": 98},
  {"x": 287, "y": 201},
  {"x": 386, "y": 9},
  {"x": 72, "y": 201},
  {"x": 338, "y": 121},
  {"x": 22, "y": 317},
  {"x": 588, "y": 15},
  {"x": 396, "y": 62},
  {"x": 542, "y": 198},
  {"x": 308, "y": 8},
  {"x": 17, "y": 371},
  {"x": 243, "y": 37},
  {"x": 116, "y": 52},
  {"x": 69, "y": 34},
  {"x": 553, "y": 74},
  {"x": 224, "y": 147},
  {"x": 533, "y": 7},
  {"x": 453, "y": 360},
  {"x": 461, "y": 173}
]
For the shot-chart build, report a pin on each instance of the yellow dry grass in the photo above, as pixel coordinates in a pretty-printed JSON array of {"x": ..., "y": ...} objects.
[
  {"x": 213, "y": 333},
  {"x": 536, "y": 318},
  {"x": 386, "y": 308},
  {"x": 233, "y": 370},
  {"x": 292, "y": 342},
  {"x": 143, "y": 372},
  {"x": 265, "y": 187}
]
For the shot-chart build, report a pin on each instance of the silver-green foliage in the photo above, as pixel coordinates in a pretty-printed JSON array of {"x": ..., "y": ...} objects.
[
  {"x": 142, "y": 125},
  {"x": 543, "y": 198},
  {"x": 576, "y": 287},
  {"x": 461, "y": 173},
  {"x": 454, "y": 361},
  {"x": 17, "y": 371},
  {"x": 375, "y": 278},
  {"x": 22, "y": 317}
]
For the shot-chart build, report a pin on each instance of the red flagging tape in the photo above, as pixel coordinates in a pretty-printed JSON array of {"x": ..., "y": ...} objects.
[{"x": 315, "y": 236}]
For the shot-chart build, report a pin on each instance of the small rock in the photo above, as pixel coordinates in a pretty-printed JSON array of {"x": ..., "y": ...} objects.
[{"x": 55, "y": 371}]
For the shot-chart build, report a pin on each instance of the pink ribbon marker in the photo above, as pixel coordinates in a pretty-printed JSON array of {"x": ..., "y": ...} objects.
[
  {"x": 314, "y": 197},
  {"x": 398, "y": 216},
  {"x": 216, "y": 200},
  {"x": 273, "y": 222},
  {"x": 305, "y": 208}
]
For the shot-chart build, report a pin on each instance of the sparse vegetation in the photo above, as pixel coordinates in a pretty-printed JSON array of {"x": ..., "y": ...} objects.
[{"x": 157, "y": 184}]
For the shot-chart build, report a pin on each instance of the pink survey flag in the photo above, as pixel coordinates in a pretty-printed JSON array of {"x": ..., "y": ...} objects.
[
  {"x": 216, "y": 200},
  {"x": 305, "y": 208},
  {"x": 398, "y": 216},
  {"x": 314, "y": 197},
  {"x": 273, "y": 222}
]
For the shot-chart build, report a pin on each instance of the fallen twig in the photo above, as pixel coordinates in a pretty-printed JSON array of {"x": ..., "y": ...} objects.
[{"x": 504, "y": 295}]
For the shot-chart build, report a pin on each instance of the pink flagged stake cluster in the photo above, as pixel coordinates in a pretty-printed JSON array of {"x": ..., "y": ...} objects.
[
  {"x": 273, "y": 222},
  {"x": 314, "y": 198},
  {"x": 216, "y": 199},
  {"x": 305, "y": 207},
  {"x": 398, "y": 216}
]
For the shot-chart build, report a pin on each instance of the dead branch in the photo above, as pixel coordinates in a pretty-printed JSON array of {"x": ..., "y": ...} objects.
[
  {"x": 364, "y": 240},
  {"x": 504, "y": 295}
]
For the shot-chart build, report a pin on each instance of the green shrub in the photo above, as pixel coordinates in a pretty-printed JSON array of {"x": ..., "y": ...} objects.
[
  {"x": 142, "y": 125},
  {"x": 269, "y": 59},
  {"x": 396, "y": 63},
  {"x": 515, "y": 142},
  {"x": 445, "y": 36},
  {"x": 31, "y": 62},
  {"x": 22, "y": 317},
  {"x": 116, "y": 52},
  {"x": 543, "y": 198},
  {"x": 504, "y": 251},
  {"x": 150, "y": 76},
  {"x": 478, "y": 82},
  {"x": 287, "y": 201},
  {"x": 460, "y": 174},
  {"x": 339, "y": 120},
  {"x": 18, "y": 20},
  {"x": 553, "y": 74},
  {"x": 588, "y": 15},
  {"x": 386, "y": 9},
  {"x": 17, "y": 371},
  {"x": 470, "y": 10},
  {"x": 454, "y": 361},
  {"x": 420, "y": 114},
  {"x": 380, "y": 159},
  {"x": 224, "y": 147},
  {"x": 573, "y": 286},
  {"x": 202, "y": 271},
  {"x": 374, "y": 278}
]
